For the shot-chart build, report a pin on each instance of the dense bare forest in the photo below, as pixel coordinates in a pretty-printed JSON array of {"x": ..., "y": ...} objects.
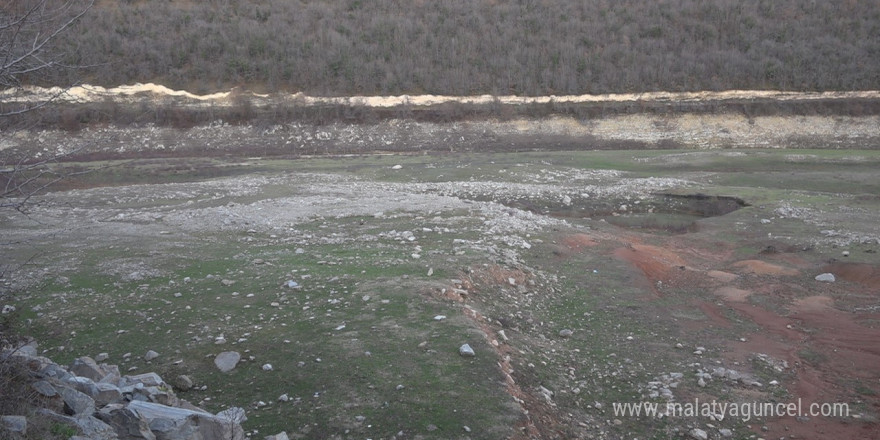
[{"x": 525, "y": 47}]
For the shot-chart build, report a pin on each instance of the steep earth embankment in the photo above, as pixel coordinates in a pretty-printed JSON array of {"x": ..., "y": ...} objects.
[{"x": 649, "y": 129}]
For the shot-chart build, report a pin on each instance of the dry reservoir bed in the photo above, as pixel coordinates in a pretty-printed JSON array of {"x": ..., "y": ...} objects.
[{"x": 580, "y": 280}]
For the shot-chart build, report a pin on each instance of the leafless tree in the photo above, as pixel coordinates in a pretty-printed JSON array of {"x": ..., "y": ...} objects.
[{"x": 29, "y": 30}]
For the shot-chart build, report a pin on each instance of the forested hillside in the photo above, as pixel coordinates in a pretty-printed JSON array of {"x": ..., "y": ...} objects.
[{"x": 525, "y": 47}]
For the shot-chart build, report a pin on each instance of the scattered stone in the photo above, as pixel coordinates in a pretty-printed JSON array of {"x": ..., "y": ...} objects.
[
  {"x": 512, "y": 281},
  {"x": 430, "y": 271},
  {"x": 397, "y": 167},
  {"x": 227, "y": 282},
  {"x": 227, "y": 360},
  {"x": 845, "y": 253},
  {"x": 267, "y": 367},
  {"x": 259, "y": 261},
  {"x": 699, "y": 434},
  {"x": 292, "y": 284},
  {"x": 432, "y": 427},
  {"x": 101, "y": 357},
  {"x": 280, "y": 436},
  {"x": 150, "y": 355},
  {"x": 466, "y": 428},
  {"x": 283, "y": 398},
  {"x": 701, "y": 382},
  {"x": 439, "y": 317},
  {"x": 399, "y": 387},
  {"x": 502, "y": 335},
  {"x": 466, "y": 351},
  {"x": 7, "y": 309},
  {"x": 826, "y": 277},
  {"x": 565, "y": 333},
  {"x": 183, "y": 382},
  {"x": 725, "y": 432}
]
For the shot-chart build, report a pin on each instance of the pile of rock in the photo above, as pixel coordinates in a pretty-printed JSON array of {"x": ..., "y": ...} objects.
[{"x": 100, "y": 403}]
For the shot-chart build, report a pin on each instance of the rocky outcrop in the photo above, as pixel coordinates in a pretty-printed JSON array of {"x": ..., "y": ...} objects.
[{"x": 99, "y": 403}]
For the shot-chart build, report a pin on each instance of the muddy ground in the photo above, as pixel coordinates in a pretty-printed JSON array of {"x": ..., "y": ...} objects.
[{"x": 581, "y": 278}]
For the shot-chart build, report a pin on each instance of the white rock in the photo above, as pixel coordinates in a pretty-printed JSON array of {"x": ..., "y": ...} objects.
[
  {"x": 267, "y": 367},
  {"x": 283, "y": 398},
  {"x": 466, "y": 351},
  {"x": 439, "y": 317},
  {"x": 699, "y": 434},
  {"x": 150, "y": 355},
  {"x": 826, "y": 277},
  {"x": 397, "y": 167}
]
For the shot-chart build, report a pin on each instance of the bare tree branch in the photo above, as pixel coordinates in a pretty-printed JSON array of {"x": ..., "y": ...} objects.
[{"x": 28, "y": 29}]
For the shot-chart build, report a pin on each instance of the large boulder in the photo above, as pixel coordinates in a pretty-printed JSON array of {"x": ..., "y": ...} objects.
[
  {"x": 77, "y": 403},
  {"x": 169, "y": 423},
  {"x": 89, "y": 426},
  {"x": 107, "y": 394},
  {"x": 83, "y": 385},
  {"x": 86, "y": 367},
  {"x": 128, "y": 424}
]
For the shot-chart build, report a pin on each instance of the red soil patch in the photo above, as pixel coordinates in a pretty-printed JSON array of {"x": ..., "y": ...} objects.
[
  {"x": 538, "y": 420},
  {"x": 828, "y": 349},
  {"x": 724, "y": 277},
  {"x": 656, "y": 264},
  {"x": 857, "y": 273},
  {"x": 759, "y": 267},
  {"x": 577, "y": 242},
  {"x": 729, "y": 293},
  {"x": 840, "y": 351}
]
